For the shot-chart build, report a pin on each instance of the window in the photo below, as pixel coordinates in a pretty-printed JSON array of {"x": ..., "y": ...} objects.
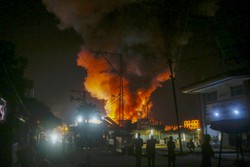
[
  {"x": 211, "y": 96},
  {"x": 237, "y": 90}
]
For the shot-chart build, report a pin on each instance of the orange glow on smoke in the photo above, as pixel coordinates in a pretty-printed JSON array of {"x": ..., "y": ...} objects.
[{"x": 105, "y": 86}]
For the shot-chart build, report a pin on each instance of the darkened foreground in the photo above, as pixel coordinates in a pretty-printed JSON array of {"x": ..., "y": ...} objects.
[{"x": 105, "y": 158}]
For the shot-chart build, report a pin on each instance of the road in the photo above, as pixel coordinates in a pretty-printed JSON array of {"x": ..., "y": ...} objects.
[{"x": 102, "y": 158}]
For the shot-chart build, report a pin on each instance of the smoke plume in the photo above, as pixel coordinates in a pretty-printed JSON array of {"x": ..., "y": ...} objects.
[{"x": 144, "y": 33}]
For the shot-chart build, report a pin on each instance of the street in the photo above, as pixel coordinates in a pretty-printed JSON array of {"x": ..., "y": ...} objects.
[{"x": 101, "y": 158}]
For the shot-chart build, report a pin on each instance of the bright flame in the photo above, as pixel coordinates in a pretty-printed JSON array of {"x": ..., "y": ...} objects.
[
  {"x": 104, "y": 84},
  {"x": 113, "y": 25}
]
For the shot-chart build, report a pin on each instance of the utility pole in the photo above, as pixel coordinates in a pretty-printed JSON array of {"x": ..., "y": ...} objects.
[
  {"x": 120, "y": 73},
  {"x": 121, "y": 90},
  {"x": 175, "y": 103}
]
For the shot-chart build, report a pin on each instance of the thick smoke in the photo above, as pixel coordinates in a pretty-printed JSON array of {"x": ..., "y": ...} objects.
[
  {"x": 145, "y": 28},
  {"x": 146, "y": 32}
]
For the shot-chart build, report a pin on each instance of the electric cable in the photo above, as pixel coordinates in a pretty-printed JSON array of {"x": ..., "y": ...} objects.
[{"x": 13, "y": 87}]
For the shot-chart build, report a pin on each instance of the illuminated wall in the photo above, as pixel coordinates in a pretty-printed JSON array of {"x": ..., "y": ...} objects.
[{"x": 225, "y": 110}]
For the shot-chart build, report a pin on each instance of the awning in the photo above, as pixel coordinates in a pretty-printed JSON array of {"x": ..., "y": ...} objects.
[{"x": 232, "y": 126}]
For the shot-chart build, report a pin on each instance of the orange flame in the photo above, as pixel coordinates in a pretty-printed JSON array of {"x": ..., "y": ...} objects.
[{"x": 102, "y": 84}]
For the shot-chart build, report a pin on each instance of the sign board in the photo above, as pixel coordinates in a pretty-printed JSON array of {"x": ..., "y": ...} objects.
[{"x": 192, "y": 124}]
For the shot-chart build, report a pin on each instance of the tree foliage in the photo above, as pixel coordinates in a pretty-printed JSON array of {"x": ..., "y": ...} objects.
[
  {"x": 14, "y": 88},
  {"x": 12, "y": 67}
]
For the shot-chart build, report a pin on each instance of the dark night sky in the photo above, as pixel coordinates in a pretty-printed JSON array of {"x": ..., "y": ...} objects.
[
  {"x": 52, "y": 55},
  {"x": 51, "y": 52}
]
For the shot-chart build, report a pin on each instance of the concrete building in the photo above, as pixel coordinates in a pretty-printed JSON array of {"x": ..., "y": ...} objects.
[{"x": 224, "y": 106}]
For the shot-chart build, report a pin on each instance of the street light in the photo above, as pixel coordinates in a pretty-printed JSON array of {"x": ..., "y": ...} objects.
[
  {"x": 216, "y": 114},
  {"x": 54, "y": 138},
  {"x": 93, "y": 119},
  {"x": 236, "y": 112},
  {"x": 79, "y": 119}
]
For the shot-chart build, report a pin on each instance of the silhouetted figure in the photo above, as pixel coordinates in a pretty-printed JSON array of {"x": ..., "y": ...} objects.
[
  {"x": 239, "y": 150},
  {"x": 239, "y": 146},
  {"x": 207, "y": 152},
  {"x": 150, "y": 147},
  {"x": 64, "y": 144},
  {"x": 171, "y": 152},
  {"x": 191, "y": 145},
  {"x": 138, "y": 143},
  {"x": 70, "y": 140},
  {"x": 43, "y": 146}
]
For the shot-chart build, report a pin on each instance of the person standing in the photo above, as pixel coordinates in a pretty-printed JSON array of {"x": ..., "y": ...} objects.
[
  {"x": 171, "y": 152},
  {"x": 207, "y": 152},
  {"x": 191, "y": 146},
  {"x": 138, "y": 149},
  {"x": 150, "y": 147}
]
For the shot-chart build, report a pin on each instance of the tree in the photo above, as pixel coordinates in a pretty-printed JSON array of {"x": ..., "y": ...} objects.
[
  {"x": 21, "y": 110},
  {"x": 12, "y": 81},
  {"x": 13, "y": 87}
]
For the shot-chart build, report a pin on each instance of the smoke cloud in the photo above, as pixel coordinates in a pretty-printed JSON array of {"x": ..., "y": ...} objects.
[{"x": 145, "y": 32}]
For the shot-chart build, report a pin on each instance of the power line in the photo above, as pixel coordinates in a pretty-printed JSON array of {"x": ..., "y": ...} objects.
[
  {"x": 141, "y": 81},
  {"x": 120, "y": 73},
  {"x": 13, "y": 87},
  {"x": 184, "y": 31}
]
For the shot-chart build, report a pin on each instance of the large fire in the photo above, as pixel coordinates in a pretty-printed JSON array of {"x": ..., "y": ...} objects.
[
  {"x": 149, "y": 37},
  {"x": 104, "y": 84}
]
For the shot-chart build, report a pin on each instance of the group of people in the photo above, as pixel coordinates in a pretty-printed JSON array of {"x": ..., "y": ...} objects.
[
  {"x": 30, "y": 153},
  {"x": 150, "y": 147},
  {"x": 206, "y": 150}
]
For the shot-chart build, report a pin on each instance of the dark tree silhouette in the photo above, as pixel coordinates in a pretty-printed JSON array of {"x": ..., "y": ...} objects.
[{"x": 23, "y": 112}]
